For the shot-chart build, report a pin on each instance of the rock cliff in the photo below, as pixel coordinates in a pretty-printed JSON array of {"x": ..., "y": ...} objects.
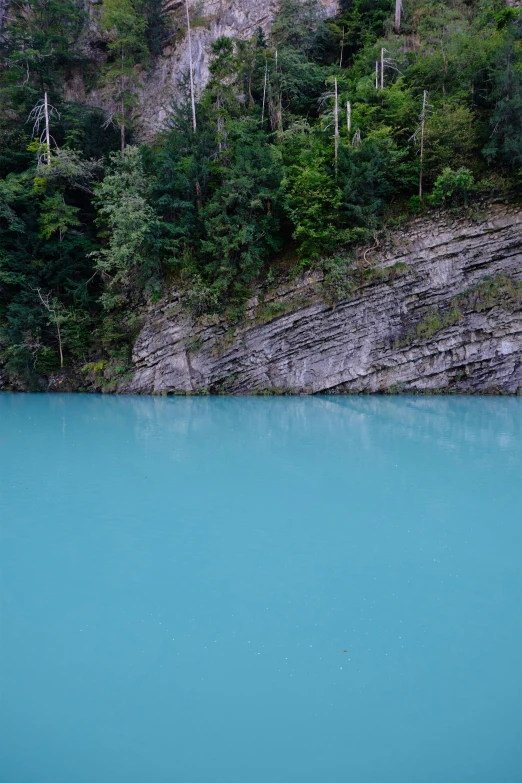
[
  {"x": 437, "y": 307},
  {"x": 163, "y": 83},
  {"x": 213, "y": 18}
]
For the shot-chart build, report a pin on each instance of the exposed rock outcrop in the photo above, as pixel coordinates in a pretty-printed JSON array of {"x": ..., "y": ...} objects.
[
  {"x": 164, "y": 83},
  {"x": 214, "y": 18},
  {"x": 441, "y": 309}
]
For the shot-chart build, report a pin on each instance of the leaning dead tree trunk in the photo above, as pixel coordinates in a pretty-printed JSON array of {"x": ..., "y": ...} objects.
[
  {"x": 398, "y": 10},
  {"x": 279, "y": 103},
  {"x": 122, "y": 128},
  {"x": 122, "y": 131},
  {"x": 264, "y": 92},
  {"x": 336, "y": 132},
  {"x": 419, "y": 135},
  {"x": 122, "y": 107},
  {"x": 220, "y": 124},
  {"x": 191, "y": 70},
  {"x": 47, "y": 132},
  {"x": 423, "y": 116}
]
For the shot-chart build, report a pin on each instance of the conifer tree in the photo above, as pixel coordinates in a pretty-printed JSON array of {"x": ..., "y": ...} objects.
[{"x": 125, "y": 27}]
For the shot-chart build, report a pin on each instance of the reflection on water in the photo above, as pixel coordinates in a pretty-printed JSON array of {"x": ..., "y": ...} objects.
[{"x": 260, "y": 589}]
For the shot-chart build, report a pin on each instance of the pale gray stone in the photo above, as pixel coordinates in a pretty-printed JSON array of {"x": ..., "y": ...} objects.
[{"x": 360, "y": 345}]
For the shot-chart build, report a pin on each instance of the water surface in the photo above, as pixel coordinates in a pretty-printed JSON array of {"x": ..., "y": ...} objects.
[{"x": 306, "y": 590}]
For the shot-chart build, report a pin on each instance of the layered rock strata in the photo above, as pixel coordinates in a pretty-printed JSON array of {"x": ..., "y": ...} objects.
[{"x": 437, "y": 307}]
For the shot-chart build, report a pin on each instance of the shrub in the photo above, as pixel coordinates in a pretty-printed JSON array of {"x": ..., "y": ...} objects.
[{"x": 453, "y": 186}]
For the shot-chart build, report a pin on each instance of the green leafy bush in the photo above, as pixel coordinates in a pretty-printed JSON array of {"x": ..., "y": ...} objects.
[{"x": 453, "y": 187}]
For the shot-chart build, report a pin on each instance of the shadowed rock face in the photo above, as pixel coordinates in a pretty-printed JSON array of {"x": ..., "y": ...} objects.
[{"x": 425, "y": 319}]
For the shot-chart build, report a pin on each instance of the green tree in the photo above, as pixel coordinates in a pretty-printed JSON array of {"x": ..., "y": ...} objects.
[
  {"x": 40, "y": 41},
  {"x": 453, "y": 186},
  {"x": 312, "y": 196},
  {"x": 220, "y": 97},
  {"x": 44, "y": 247},
  {"x": 39, "y": 46},
  {"x": 450, "y": 139},
  {"x": 505, "y": 142},
  {"x": 241, "y": 217},
  {"x": 57, "y": 217},
  {"x": 128, "y": 262},
  {"x": 125, "y": 27}
]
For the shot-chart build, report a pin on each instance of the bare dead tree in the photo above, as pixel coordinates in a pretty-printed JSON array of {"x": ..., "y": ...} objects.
[
  {"x": 336, "y": 125},
  {"x": 221, "y": 133},
  {"x": 40, "y": 115},
  {"x": 342, "y": 50},
  {"x": 279, "y": 110},
  {"x": 349, "y": 116},
  {"x": 273, "y": 105},
  {"x": 122, "y": 107},
  {"x": 191, "y": 69},
  {"x": 387, "y": 62},
  {"x": 419, "y": 135},
  {"x": 264, "y": 91},
  {"x": 53, "y": 310},
  {"x": 424, "y": 113},
  {"x": 376, "y": 74},
  {"x": 47, "y": 132},
  {"x": 332, "y": 116}
]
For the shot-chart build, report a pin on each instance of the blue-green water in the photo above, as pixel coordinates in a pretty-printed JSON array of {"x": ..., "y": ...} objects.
[{"x": 311, "y": 590}]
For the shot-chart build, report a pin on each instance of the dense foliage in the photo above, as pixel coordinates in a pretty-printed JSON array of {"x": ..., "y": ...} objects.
[{"x": 305, "y": 143}]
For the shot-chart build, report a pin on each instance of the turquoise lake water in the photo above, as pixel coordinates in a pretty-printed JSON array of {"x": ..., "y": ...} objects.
[{"x": 260, "y": 590}]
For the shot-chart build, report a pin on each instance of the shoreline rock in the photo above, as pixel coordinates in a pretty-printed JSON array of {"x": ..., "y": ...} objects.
[{"x": 450, "y": 321}]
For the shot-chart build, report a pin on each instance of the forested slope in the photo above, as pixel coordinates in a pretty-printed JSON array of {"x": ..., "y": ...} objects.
[{"x": 303, "y": 145}]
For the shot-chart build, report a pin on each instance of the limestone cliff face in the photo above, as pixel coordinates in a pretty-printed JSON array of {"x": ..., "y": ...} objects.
[
  {"x": 163, "y": 84},
  {"x": 439, "y": 309},
  {"x": 212, "y": 19}
]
